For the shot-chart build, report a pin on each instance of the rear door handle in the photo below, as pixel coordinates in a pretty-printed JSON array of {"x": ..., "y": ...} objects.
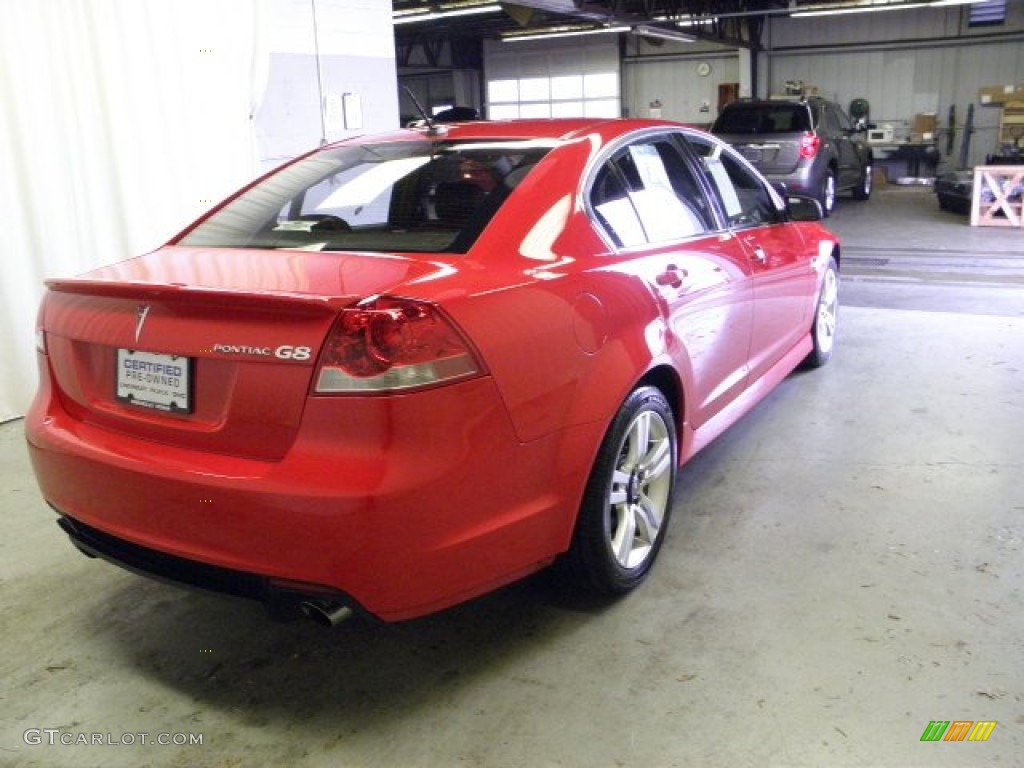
[
  {"x": 672, "y": 277},
  {"x": 758, "y": 251}
]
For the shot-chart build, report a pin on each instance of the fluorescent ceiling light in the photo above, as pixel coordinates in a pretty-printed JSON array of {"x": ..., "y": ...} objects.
[
  {"x": 870, "y": 6},
  {"x": 663, "y": 34},
  {"x": 562, "y": 32},
  {"x": 847, "y": 9},
  {"x": 425, "y": 14}
]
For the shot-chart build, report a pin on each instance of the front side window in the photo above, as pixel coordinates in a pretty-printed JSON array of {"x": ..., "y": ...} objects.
[
  {"x": 646, "y": 193},
  {"x": 844, "y": 121},
  {"x": 414, "y": 196},
  {"x": 746, "y": 200},
  {"x": 830, "y": 120}
]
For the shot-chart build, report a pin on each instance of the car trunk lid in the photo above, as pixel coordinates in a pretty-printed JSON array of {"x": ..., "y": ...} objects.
[
  {"x": 769, "y": 153},
  {"x": 210, "y": 349},
  {"x": 768, "y": 134}
]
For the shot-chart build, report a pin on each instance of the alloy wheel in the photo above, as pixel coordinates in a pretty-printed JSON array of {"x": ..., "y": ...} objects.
[
  {"x": 640, "y": 489},
  {"x": 828, "y": 307}
]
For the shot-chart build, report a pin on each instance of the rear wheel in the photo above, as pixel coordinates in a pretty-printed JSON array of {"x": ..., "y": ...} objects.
[
  {"x": 628, "y": 499},
  {"x": 863, "y": 189},
  {"x": 827, "y": 193},
  {"x": 823, "y": 332}
]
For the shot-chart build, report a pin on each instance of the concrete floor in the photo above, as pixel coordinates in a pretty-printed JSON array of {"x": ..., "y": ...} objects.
[{"x": 844, "y": 566}]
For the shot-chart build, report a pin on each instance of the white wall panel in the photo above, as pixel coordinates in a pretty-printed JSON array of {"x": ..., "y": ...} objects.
[
  {"x": 684, "y": 95},
  {"x": 121, "y": 120}
]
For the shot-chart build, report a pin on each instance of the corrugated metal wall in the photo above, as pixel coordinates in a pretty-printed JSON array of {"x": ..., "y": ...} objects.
[
  {"x": 902, "y": 62},
  {"x": 923, "y": 61},
  {"x": 672, "y": 76}
]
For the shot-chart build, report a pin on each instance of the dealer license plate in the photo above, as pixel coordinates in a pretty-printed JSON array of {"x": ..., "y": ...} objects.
[
  {"x": 151, "y": 380},
  {"x": 753, "y": 154}
]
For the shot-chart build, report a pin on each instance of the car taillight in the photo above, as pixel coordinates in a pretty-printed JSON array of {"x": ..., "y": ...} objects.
[
  {"x": 809, "y": 145},
  {"x": 390, "y": 344}
]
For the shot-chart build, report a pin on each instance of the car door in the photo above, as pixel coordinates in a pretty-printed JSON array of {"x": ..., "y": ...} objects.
[
  {"x": 842, "y": 134},
  {"x": 780, "y": 266},
  {"x": 657, "y": 217}
]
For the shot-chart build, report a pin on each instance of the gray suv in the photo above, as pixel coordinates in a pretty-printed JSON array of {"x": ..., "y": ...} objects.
[{"x": 810, "y": 145}]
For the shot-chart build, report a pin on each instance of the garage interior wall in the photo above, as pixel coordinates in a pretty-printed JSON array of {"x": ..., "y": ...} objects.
[
  {"x": 122, "y": 121},
  {"x": 903, "y": 63},
  {"x": 667, "y": 78}
]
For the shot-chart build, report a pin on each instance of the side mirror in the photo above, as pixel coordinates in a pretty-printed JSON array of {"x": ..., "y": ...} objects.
[{"x": 802, "y": 208}]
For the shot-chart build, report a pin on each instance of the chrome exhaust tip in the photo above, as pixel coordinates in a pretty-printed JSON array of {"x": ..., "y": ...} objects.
[{"x": 327, "y": 613}]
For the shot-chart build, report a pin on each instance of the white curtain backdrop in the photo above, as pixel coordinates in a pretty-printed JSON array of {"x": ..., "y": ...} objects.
[{"x": 120, "y": 122}]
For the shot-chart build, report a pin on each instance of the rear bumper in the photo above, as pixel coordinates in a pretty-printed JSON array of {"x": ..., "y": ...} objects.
[
  {"x": 801, "y": 182},
  {"x": 282, "y": 598},
  {"x": 402, "y": 505}
]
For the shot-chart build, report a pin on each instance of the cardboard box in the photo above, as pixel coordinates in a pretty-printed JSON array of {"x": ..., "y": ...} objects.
[
  {"x": 924, "y": 127},
  {"x": 1000, "y": 94}
]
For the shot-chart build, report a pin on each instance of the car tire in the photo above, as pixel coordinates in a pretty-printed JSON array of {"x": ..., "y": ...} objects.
[
  {"x": 827, "y": 193},
  {"x": 863, "y": 189},
  {"x": 826, "y": 313},
  {"x": 628, "y": 498}
]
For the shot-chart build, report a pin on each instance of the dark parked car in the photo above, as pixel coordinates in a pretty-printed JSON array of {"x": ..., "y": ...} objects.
[
  {"x": 810, "y": 145},
  {"x": 954, "y": 191}
]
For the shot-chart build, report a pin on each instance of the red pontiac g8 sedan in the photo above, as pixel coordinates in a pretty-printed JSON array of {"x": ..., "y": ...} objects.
[{"x": 406, "y": 369}]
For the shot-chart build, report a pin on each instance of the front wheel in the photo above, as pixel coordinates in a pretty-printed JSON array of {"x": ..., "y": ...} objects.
[
  {"x": 823, "y": 331},
  {"x": 628, "y": 499}
]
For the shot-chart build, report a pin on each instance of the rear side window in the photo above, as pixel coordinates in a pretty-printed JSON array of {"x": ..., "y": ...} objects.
[
  {"x": 646, "y": 193},
  {"x": 763, "y": 118}
]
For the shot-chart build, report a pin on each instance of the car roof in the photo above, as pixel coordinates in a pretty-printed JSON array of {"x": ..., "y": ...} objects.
[{"x": 553, "y": 129}]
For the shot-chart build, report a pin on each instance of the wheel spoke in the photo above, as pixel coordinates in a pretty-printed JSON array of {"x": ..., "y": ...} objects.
[
  {"x": 620, "y": 487},
  {"x": 656, "y": 463},
  {"x": 640, "y": 435},
  {"x": 828, "y": 322},
  {"x": 830, "y": 291},
  {"x": 648, "y": 517},
  {"x": 625, "y": 531}
]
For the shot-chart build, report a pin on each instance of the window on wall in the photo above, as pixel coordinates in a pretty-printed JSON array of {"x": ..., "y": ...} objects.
[
  {"x": 584, "y": 95},
  {"x": 987, "y": 13},
  {"x": 540, "y": 80}
]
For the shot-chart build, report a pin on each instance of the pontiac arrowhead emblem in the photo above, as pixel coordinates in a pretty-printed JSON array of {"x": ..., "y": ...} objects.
[{"x": 140, "y": 320}]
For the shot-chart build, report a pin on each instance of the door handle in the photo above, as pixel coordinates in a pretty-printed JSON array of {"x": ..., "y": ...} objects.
[
  {"x": 672, "y": 277},
  {"x": 759, "y": 254}
]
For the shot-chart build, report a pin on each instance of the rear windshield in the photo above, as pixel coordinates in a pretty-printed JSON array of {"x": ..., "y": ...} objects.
[
  {"x": 415, "y": 196},
  {"x": 763, "y": 118}
]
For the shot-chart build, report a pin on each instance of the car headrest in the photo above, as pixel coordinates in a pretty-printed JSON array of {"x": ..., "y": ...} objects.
[{"x": 455, "y": 201}]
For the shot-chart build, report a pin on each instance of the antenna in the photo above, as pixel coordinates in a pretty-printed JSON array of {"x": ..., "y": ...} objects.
[{"x": 432, "y": 128}]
